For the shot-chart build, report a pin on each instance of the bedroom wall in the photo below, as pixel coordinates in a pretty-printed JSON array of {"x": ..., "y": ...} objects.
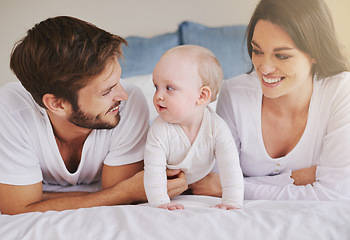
[
  {"x": 341, "y": 18},
  {"x": 128, "y": 17},
  {"x": 134, "y": 17}
]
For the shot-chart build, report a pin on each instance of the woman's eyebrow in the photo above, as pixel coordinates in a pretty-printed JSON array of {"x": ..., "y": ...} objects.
[
  {"x": 275, "y": 49},
  {"x": 282, "y": 49},
  {"x": 255, "y": 44}
]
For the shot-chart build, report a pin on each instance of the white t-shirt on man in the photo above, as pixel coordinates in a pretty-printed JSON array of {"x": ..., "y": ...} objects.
[{"x": 29, "y": 153}]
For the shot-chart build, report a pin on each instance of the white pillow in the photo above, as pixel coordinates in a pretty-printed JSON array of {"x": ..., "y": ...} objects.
[{"x": 145, "y": 82}]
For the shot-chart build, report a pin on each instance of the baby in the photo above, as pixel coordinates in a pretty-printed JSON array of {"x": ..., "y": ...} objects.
[{"x": 187, "y": 134}]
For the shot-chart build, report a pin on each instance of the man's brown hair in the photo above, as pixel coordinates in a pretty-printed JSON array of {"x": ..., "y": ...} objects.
[{"x": 61, "y": 55}]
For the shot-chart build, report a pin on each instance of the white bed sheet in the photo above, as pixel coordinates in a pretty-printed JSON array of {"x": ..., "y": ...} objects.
[{"x": 258, "y": 220}]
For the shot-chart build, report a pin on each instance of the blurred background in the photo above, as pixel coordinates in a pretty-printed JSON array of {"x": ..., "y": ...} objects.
[{"x": 144, "y": 18}]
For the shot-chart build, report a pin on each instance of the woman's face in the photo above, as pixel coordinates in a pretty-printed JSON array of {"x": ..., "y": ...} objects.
[{"x": 283, "y": 69}]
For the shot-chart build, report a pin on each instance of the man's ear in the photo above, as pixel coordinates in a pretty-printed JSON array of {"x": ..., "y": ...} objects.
[
  {"x": 205, "y": 95},
  {"x": 54, "y": 104}
]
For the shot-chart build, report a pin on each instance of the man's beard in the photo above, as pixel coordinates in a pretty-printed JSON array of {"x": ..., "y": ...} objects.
[{"x": 81, "y": 119}]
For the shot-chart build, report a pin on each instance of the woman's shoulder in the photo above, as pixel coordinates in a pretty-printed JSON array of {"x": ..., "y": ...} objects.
[
  {"x": 241, "y": 88},
  {"x": 334, "y": 84},
  {"x": 243, "y": 81},
  {"x": 332, "y": 93}
]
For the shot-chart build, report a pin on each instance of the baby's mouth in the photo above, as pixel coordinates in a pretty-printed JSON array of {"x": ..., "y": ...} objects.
[{"x": 161, "y": 107}]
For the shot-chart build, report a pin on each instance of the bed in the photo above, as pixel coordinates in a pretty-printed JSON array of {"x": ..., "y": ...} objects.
[{"x": 258, "y": 219}]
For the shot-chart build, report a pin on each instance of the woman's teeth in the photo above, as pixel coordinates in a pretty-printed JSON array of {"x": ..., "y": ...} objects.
[{"x": 272, "y": 80}]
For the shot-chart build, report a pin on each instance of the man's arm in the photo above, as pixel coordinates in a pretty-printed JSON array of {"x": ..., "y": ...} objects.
[
  {"x": 112, "y": 175},
  {"x": 210, "y": 185},
  {"x": 30, "y": 198}
]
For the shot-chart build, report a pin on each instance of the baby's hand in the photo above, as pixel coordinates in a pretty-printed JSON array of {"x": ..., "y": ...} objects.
[
  {"x": 171, "y": 206},
  {"x": 225, "y": 206}
]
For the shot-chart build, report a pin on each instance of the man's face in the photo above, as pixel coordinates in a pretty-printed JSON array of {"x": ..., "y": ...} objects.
[{"x": 99, "y": 101}]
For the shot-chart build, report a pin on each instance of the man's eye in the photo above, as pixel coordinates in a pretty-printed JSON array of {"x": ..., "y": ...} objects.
[{"x": 106, "y": 93}]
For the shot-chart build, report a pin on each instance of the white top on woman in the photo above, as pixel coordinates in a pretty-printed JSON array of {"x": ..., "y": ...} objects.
[{"x": 325, "y": 141}]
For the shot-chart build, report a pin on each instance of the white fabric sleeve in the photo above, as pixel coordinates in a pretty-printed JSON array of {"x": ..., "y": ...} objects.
[
  {"x": 19, "y": 164},
  {"x": 155, "y": 178},
  {"x": 129, "y": 136},
  {"x": 333, "y": 171},
  {"x": 281, "y": 179},
  {"x": 225, "y": 111},
  {"x": 230, "y": 172}
]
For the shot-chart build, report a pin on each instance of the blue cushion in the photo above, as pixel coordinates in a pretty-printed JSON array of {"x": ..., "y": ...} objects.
[
  {"x": 227, "y": 43},
  {"x": 142, "y": 54}
]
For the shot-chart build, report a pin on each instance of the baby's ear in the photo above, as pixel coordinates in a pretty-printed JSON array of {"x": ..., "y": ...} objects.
[{"x": 205, "y": 95}]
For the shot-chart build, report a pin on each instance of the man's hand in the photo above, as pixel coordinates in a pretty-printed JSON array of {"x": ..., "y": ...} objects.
[
  {"x": 209, "y": 186},
  {"x": 176, "y": 182},
  {"x": 176, "y": 185},
  {"x": 305, "y": 176}
]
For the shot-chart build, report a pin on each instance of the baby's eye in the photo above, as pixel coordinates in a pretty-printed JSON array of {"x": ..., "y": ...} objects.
[
  {"x": 169, "y": 88},
  {"x": 156, "y": 87}
]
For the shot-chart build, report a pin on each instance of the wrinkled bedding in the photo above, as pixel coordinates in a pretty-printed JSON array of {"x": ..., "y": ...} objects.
[{"x": 257, "y": 220}]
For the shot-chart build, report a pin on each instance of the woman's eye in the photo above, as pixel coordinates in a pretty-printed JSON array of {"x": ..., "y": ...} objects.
[
  {"x": 282, "y": 57},
  {"x": 255, "y": 51}
]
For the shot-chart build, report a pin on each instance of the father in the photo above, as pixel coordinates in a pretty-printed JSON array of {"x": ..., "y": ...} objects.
[{"x": 71, "y": 123}]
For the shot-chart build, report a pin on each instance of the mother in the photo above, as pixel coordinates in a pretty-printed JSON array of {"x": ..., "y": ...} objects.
[{"x": 290, "y": 116}]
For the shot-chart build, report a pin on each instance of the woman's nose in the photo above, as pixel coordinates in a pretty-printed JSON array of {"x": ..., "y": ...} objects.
[{"x": 267, "y": 66}]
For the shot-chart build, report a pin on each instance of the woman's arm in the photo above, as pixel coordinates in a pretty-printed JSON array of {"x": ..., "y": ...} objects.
[
  {"x": 305, "y": 176},
  {"x": 330, "y": 179}
]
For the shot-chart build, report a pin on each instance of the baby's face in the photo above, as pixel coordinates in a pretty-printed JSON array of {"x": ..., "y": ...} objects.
[{"x": 177, "y": 84}]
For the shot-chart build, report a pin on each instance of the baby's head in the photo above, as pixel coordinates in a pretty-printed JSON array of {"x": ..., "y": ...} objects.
[
  {"x": 187, "y": 78},
  {"x": 208, "y": 67}
]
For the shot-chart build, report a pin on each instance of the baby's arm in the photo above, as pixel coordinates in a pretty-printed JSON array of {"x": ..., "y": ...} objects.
[
  {"x": 155, "y": 182},
  {"x": 155, "y": 175},
  {"x": 155, "y": 178},
  {"x": 230, "y": 172}
]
